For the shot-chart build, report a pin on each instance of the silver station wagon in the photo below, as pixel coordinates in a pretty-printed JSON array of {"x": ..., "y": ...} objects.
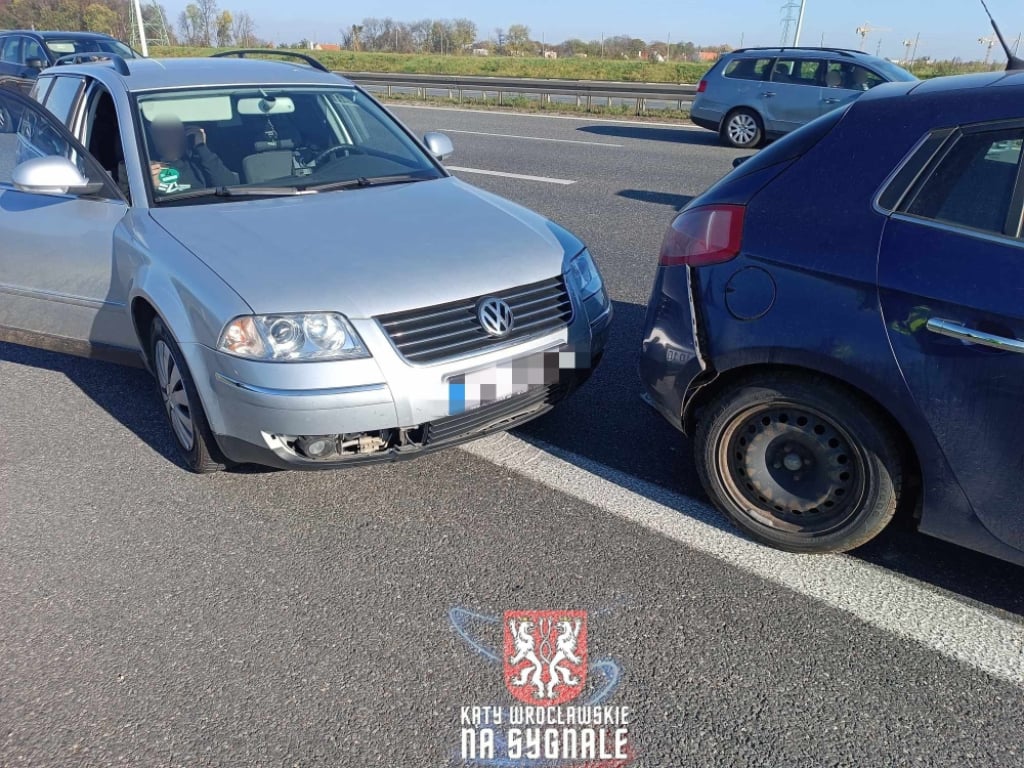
[
  {"x": 306, "y": 282},
  {"x": 753, "y": 95}
]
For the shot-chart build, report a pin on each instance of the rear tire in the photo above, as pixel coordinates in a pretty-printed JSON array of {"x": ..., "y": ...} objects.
[
  {"x": 742, "y": 129},
  {"x": 799, "y": 463},
  {"x": 182, "y": 407}
]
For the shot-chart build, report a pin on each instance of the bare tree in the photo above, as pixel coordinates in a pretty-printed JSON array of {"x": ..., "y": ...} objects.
[
  {"x": 207, "y": 20},
  {"x": 244, "y": 30}
]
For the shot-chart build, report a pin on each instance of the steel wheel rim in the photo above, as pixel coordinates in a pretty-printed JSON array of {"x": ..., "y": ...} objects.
[
  {"x": 174, "y": 396},
  {"x": 742, "y": 129},
  {"x": 792, "y": 469}
]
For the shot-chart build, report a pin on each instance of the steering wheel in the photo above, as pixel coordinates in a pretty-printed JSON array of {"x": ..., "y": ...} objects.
[{"x": 348, "y": 150}]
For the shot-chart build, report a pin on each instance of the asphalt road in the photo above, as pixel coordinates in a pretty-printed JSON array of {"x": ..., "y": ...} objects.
[{"x": 149, "y": 617}]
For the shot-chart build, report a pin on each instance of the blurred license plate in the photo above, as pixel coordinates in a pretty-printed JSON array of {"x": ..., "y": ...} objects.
[{"x": 475, "y": 389}]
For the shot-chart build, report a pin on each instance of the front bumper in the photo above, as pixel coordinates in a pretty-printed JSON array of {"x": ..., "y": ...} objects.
[{"x": 253, "y": 407}]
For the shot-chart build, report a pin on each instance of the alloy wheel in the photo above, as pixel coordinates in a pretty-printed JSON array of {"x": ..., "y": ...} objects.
[
  {"x": 174, "y": 396},
  {"x": 742, "y": 129}
]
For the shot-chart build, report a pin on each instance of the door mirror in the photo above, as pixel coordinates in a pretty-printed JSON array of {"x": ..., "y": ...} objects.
[
  {"x": 440, "y": 146},
  {"x": 35, "y": 63},
  {"x": 52, "y": 175}
]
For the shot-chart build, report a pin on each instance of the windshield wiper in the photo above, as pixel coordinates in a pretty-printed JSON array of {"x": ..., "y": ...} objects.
[
  {"x": 368, "y": 181},
  {"x": 237, "y": 191}
]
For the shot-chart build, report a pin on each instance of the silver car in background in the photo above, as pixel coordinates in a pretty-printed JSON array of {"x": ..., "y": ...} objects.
[
  {"x": 753, "y": 95},
  {"x": 307, "y": 283}
]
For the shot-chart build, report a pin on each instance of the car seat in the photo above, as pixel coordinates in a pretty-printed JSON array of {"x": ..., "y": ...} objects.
[{"x": 271, "y": 160}]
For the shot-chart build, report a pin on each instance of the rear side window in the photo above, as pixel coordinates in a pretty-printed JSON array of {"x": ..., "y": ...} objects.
[
  {"x": 749, "y": 69},
  {"x": 973, "y": 185},
  {"x": 11, "y": 51},
  {"x": 796, "y": 71}
]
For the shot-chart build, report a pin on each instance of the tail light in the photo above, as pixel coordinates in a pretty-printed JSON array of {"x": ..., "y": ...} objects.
[
  {"x": 703, "y": 86},
  {"x": 701, "y": 236}
]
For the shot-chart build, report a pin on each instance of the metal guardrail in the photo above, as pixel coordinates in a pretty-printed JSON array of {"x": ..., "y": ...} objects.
[{"x": 584, "y": 91}]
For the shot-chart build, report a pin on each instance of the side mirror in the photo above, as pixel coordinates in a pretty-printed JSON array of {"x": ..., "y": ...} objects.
[
  {"x": 52, "y": 175},
  {"x": 35, "y": 63},
  {"x": 738, "y": 161},
  {"x": 440, "y": 146}
]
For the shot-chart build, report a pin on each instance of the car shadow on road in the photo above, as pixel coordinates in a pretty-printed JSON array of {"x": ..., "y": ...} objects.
[
  {"x": 126, "y": 393},
  {"x": 605, "y": 423},
  {"x": 655, "y": 198},
  {"x": 653, "y": 133}
]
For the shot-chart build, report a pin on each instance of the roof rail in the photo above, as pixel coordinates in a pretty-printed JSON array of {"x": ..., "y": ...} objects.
[
  {"x": 118, "y": 62},
  {"x": 841, "y": 51},
  {"x": 241, "y": 53}
]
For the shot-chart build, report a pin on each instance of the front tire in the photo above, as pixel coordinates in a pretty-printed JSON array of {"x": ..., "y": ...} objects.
[
  {"x": 742, "y": 129},
  {"x": 799, "y": 463},
  {"x": 181, "y": 403}
]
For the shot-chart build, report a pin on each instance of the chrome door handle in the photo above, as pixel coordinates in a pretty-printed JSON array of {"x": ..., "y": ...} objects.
[
  {"x": 960, "y": 331},
  {"x": 768, "y": 94},
  {"x": 832, "y": 101}
]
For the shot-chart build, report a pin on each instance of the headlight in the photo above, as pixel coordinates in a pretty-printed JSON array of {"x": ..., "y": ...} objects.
[
  {"x": 308, "y": 336},
  {"x": 584, "y": 275}
]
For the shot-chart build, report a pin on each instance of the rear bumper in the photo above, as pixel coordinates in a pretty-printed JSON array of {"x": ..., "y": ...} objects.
[
  {"x": 705, "y": 122},
  {"x": 671, "y": 362}
]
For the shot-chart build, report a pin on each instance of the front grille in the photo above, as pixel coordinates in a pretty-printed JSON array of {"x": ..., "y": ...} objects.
[
  {"x": 444, "y": 331},
  {"x": 504, "y": 414}
]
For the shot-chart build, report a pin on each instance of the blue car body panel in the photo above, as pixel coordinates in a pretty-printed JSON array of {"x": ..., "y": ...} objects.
[{"x": 829, "y": 282}]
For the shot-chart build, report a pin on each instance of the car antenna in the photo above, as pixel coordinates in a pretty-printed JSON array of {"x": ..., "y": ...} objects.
[{"x": 1013, "y": 63}]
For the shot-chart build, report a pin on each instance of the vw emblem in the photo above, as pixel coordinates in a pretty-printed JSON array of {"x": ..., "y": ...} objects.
[{"x": 495, "y": 316}]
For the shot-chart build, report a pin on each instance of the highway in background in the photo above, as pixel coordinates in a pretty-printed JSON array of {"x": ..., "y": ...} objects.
[{"x": 153, "y": 617}]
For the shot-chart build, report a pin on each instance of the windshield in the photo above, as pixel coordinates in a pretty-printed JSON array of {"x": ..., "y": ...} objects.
[
  {"x": 893, "y": 72},
  {"x": 272, "y": 140},
  {"x": 88, "y": 45}
]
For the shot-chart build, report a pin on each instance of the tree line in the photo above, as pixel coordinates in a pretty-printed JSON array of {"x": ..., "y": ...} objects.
[
  {"x": 461, "y": 36},
  {"x": 202, "y": 23}
]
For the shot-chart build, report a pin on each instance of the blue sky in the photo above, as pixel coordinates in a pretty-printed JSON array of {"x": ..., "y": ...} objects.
[{"x": 948, "y": 27}]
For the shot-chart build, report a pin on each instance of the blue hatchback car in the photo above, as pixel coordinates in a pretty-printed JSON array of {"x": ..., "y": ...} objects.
[{"x": 839, "y": 322}]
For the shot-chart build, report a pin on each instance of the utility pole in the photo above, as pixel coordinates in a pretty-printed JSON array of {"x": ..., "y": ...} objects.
[
  {"x": 799, "y": 24},
  {"x": 141, "y": 25}
]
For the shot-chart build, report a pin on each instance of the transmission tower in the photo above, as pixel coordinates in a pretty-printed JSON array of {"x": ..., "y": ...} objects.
[
  {"x": 154, "y": 26},
  {"x": 790, "y": 18}
]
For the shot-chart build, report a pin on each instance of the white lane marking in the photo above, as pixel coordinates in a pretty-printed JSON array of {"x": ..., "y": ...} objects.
[
  {"x": 510, "y": 113},
  {"x": 523, "y": 176},
  {"x": 532, "y": 138},
  {"x": 877, "y": 597}
]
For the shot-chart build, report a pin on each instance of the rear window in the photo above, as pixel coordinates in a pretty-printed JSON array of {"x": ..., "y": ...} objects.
[
  {"x": 973, "y": 185},
  {"x": 748, "y": 69}
]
